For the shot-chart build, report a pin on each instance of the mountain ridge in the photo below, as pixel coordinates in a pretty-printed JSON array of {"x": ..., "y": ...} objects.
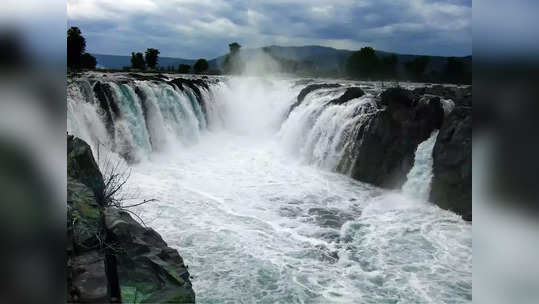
[{"x": 326, "y": 58}]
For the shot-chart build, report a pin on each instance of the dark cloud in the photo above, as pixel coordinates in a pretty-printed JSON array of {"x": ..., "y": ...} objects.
[{"x": 203, "y": 28}]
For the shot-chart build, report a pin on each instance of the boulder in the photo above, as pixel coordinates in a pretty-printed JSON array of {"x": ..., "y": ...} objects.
[
  {"x": 349, "y": 94},
  {"x": 452, "y": 164},
  {"x": 82, "y": 167},
  {"x": 110, "y": 256},
  {"x": 387, "y": 141},
  {"x": 89, "y": 278},
  {"x": 461, "y": 95},
  {"x": 311, "y": 88},
  {"x": 84, "y": 225},
  {"x": 148, "y": 270}
]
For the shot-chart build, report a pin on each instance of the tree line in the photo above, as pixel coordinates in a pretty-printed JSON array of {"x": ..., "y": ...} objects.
[
  {"x": 363, "y": 64},
  {"x": 78, "y": 59},
  {"x": 366, "y": 64}
]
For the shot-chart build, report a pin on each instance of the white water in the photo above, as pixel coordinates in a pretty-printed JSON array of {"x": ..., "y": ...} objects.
[
  {"x": 419, "y": 178},
  {"x": 257, "y": 220}
]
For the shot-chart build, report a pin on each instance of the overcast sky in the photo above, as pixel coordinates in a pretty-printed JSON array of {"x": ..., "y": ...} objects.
[{"x": 204, "y": 28}]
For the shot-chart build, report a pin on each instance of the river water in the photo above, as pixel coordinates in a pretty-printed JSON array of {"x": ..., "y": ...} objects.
[{"x": 258, "y": 213}]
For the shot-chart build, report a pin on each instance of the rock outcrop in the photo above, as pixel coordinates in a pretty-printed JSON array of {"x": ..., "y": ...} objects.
[
  {"x": 111, "y": 258},
  {"x": 452, "y": 164},
  {"x": 82, "y": 166},
  {"x": 386, "y": 143},
  {"x": 461, "y": 95},
  {"x": 349, "y": 94},
  {"x": 311, "y": 88}
]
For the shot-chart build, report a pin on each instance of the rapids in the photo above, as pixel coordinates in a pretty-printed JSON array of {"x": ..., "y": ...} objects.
[{"x": 252, "y": 197}]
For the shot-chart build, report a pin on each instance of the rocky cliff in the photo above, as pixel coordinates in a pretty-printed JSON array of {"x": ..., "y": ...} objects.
[
  {"x": 111, "y": 258},
  {"x": 452, "y": 167}
]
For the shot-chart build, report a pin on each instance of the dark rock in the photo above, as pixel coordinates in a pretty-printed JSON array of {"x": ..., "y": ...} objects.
[
  {"x": 148, "y": 77},
  {"x": 148, "y": 270},
  {"x": 387, "y": 141},
  {"x": 398, "y": 97},
  {"x": 83, "y": 167},
  {"x": 111, "y": 257},
  {"x": 314, "y": 87},
  {"x": 83, "y": 217},
  {"x": 89, "y": 278},
  {"x": 351, "y": 93},
  {"x": 461, "y": 95},
  {"x": 311, "y": 88},
  {"x": 452, "y": 164}
]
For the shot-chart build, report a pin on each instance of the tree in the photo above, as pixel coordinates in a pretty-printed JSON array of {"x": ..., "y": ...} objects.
[
  {"x": 389, "y": 67},
  {"x": 152, "y": 56},
  {"x": 184, "y": 68},
  {"x": 201, "y": 65},
  {"x": 363, "y": 63},
  {"x": 87, "y": 61},
  {"x": 417, "y": 67},
  {"x": 233, "y": 63},
  {"x": 455, "y": 71},
  {"x": 76, "y": 46},
  {"x": 137, "y": 61},
  {"x": 234, "y": 48}
]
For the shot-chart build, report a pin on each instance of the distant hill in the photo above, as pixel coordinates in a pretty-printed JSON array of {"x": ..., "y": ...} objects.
[{"x": 325, "y": 58}]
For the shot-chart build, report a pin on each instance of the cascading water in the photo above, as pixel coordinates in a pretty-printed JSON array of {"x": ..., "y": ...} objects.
[
  {"x": 254, "y": 224},
  {"x": 324, "y": 134},
  {"x": 134, "y": 118},
  {"x": 419, "y": 178}
]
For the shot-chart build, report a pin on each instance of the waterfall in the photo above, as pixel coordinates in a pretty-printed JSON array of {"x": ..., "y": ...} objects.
[
  {"x": 224, "y": 158},
  {"x": 136, "y": 117},
  {"x": 419, "y": 178},
  {"x": 322, "y": 133}
]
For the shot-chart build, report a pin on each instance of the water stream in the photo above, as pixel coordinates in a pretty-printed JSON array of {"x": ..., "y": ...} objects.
[{"x": 253, "y": 199}]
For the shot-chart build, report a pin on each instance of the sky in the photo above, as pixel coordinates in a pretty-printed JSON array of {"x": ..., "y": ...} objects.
[{"x": 204, "y": 28}]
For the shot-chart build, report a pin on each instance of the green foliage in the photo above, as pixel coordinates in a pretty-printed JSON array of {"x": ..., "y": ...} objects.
[
  {"x": 201, "y": 65},
  {"x": 184, "y": 68},
  {"x": 137, "y": 61},
  {"x": 152, "y": 57},
  {"x": 76, "y": 46},
  {"x": 417, "y": 67},
  {"x": 363, "y": 63}
]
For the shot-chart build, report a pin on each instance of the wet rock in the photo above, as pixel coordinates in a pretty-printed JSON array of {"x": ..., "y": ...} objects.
[
  {"x": 452, "y": 164},
  {"x": 309, "y": 89},
  {"x": 461, "y": 95},
  {"x": 148, "y": 270},
  {"x": 83, "y": 217},
  {"x": 388, "y": 140},
  {"x": 111, "y": 257},
  {"x": 83, "y": 167},
  {"x": 351, "y": 93},
  {"x": 89, "y": 278}
]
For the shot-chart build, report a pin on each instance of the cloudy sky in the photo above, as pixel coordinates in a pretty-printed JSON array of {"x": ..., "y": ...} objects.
[{"x": 203, "y": 28}]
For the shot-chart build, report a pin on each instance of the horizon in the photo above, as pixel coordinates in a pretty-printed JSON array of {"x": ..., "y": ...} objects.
[
  {"x": 204, "y": 28},
  {"x": 273, "y": 45}
]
